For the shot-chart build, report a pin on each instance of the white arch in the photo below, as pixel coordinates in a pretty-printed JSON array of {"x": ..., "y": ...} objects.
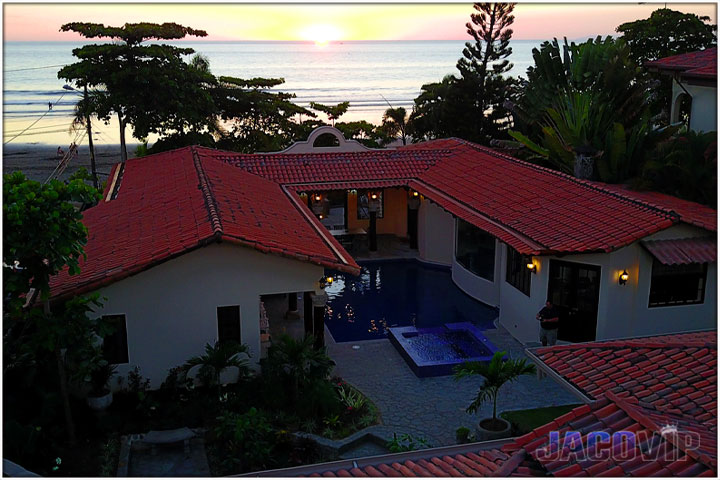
[{"x": 308, "y": 146}]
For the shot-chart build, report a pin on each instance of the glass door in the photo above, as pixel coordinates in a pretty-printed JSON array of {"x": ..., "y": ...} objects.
[{"x": 574, "y": 289}]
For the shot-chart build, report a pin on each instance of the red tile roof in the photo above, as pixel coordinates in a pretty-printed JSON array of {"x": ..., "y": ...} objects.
[
  {"x": 170, "y": 203},
  {"x": 675, "y": 374},
  {"x": 689, "y": 212},
  {"x": 682, "y": 251},
  {"x": 652, "y": 453},
  {"x": 700, "y": 64},
  {"x": 534, "y": 209}
]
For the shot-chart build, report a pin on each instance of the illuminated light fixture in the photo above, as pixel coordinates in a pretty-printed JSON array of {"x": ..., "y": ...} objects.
[
  {"x": 623, "y": 278},
  {"x": 320, "y": 216},
  {"x": 532, "y": 267},
  {"x": 374, "y": 196},
  {"x": 415, "y": 194},
  {"x": 317, "y": 197},
  {"x": 325, "y": 281}
]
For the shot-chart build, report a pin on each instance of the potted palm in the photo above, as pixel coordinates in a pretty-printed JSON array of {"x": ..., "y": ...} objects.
[
  {"x": 222, "y": 363},
  {"x": 497, "y": 373},
  {"x": 100, "y": 396}
]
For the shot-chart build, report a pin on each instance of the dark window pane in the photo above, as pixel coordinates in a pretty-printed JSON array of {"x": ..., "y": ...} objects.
[
  {"x": 677, "y": 284},
  {"x": 517, "y": 274},
  {"x": 228, "y": 324},
  {"x": 363, "y": 212},
  {"x": 115, "y": 345},
  {"x": 475, "y": 250}
]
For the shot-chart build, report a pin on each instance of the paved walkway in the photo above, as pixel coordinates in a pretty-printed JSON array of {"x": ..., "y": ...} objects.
[{"x": 433, "y": 407}]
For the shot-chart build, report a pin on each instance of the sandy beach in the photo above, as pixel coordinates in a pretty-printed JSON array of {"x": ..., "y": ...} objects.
[{"x": 37, "y": 161}]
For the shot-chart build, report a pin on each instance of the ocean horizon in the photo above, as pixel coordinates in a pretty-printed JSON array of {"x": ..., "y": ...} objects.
[{"x": 371, "y": 75}]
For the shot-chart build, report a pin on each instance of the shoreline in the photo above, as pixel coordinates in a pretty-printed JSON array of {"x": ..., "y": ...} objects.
[{"x": 38, "y": 161}]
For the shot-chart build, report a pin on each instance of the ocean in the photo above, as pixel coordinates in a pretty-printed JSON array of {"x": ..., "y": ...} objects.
[{"x": 370, "y": 75}]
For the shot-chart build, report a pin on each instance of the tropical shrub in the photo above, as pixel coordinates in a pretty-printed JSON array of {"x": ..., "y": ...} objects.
[
  {"x": 497, "y": 373},
  {"x": 585, "y": 111},
  {"x": 248, "y": 440},
  {"x": 219, "y": 357},
  {"x": 686, "y": 167},
  {"x": 406, "y": 443}
]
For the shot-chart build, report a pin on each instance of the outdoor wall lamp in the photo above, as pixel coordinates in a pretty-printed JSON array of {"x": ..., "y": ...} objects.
[
  {"x": 318, "y": 197},
  {"x": 415, "y": 194},
  {"x": 374, "y": 196},
  {"x": 325, "y": 281},
  {"x": 623, "y": 278},
  {"x": 531, "y": 266}
]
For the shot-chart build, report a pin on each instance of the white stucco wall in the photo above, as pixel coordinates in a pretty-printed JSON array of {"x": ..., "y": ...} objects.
[
  {"x": 703, "y": 113},
  {"x": 487, "y": 291},
  {"x": 622, "y": 309},
  {"x": 436, "y": 234},
  {"x": 170, "y": 309}
]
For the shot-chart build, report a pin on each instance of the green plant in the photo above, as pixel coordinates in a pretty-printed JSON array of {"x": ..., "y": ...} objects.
[
  {"x": 136, "y": 382},
  {"x": 298, "y": 363},
  {"x": 406, "y": 443},
  {"x": 110, "y": 453},
  {"x": 331, "y": 421},
  {"x": 100, "y": 378},
  {"x": 352, "y": 399},
  {"x": 497, "y": 373},
  {"x": 462, "y": 434},
  {"x": 219, "y": 357},
  {"x": 248, "y": 439},
  {"x": 308, "y": 425}
]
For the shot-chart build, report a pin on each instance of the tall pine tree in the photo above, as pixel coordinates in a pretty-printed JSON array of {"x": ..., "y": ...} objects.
[{"x": 471, "y": 106}]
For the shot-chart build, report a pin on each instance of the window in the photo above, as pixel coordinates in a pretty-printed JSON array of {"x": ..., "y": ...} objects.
[
  {"x": 228, "y": 324},
  {"x": 363, "y": 212},
  {"x": 475, "y": 250},
  {"x": 517, "y": 274},
  {"x": 115, "y": 345},
  {"x": 677, "y": 284}
]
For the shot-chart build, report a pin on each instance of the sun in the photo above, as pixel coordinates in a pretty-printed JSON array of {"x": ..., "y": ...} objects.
[{"x": 321, "y": 34}]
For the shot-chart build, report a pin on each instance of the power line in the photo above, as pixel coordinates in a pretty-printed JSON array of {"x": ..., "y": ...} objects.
[
  {"x": 35, "y": 68},
  {"x": 43, "y": 115}
]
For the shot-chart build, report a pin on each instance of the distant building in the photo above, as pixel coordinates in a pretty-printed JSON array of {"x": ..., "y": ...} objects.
[
  {"x": 694, "y": 90},
  {"x": 185, "y": 243}
]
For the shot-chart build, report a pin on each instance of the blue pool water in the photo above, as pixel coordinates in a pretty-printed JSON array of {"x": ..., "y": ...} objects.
[{"x": 398, "y": 293}]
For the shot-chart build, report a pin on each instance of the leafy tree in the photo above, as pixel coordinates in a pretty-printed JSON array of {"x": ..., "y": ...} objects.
[
  {"x": 86, "y": 107},
  {"x": 585, "y": 111},
  {"x": 364, "y": 132},
  {"x": 665, "y": 33},
  {"x": 149, "y": 87},
  {"x": 333, "y": 112},
  {"x": 497, "y": 373},
  {"x": 43, "y": 235},
  {"x": 471, "y": 106},
  {"x": 395, "y": 123},
  {"x": 258, "y": 120}
]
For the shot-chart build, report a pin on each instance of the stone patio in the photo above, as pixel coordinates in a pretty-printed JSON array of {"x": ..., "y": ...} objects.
[{"x": 433, "y": 407}]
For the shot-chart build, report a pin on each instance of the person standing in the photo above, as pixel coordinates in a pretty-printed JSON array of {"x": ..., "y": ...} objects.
[{"x": 549, "y": 322}]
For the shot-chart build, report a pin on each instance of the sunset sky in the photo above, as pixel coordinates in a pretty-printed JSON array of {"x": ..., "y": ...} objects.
[{"x": 41, "y": 22}]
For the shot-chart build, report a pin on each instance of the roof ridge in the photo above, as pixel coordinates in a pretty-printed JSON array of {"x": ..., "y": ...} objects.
[
  {"x": 204, "y": 187},
  {"x": 585, "y": 183},
  {"x": 622, "y": 344},
  {"x": 634, "y": 411}
]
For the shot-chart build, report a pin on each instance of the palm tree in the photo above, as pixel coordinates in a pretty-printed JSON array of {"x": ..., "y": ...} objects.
[
  {"x": 299, "y": 361},
  {"x": 84, "y": 109},
  {"x": 395, "y": 121},
  {"x": 497, "y": 373},
  {"x": 218, "y": 357}
]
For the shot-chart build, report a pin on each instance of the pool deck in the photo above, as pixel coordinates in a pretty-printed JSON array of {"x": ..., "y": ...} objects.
[{"x": 433, "y": 407}]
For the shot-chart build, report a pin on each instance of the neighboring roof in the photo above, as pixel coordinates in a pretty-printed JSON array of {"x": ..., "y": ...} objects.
[
  {"x": 640, "y": 385},
  {"x": 167, "y": 204},
  {"x": 535, "y": 210},
  {"x": 471, "y": 460},
  {"x": 682, "y": 251},
  {"x": 689, "y": 212},
  {"x": 701, "y": 64},
  {"x": 652, "y": 453},
  {"x": 675, "y": 374}
]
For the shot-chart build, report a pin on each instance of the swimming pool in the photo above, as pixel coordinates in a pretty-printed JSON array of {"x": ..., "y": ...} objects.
[{"x": 398, "y": 293}]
